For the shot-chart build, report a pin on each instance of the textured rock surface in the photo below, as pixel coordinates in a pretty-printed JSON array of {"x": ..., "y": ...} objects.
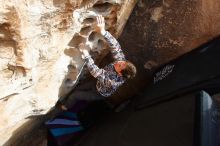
[
  {"x": 39, "y": 59},
  {"x": 159, "y": 31}
]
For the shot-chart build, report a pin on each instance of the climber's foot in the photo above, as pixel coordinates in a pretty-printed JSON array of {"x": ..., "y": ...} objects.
[{"x": 63, "y": 107}]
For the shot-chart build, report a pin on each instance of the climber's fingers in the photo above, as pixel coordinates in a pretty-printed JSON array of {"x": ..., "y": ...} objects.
[
  {"x": 102, "y": 20},
  {"x": 98, "y": 20}
]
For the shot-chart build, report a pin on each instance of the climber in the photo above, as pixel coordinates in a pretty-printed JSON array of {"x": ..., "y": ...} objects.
[{"x": 109, "y": 78}]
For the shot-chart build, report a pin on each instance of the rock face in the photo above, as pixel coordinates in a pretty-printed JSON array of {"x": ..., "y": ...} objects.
[{"x": 39, "y": 57}]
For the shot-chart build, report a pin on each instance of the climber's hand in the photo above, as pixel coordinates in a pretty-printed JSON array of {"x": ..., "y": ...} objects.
[
  {"x": 85, "y": 53},
  {"x": 83, "y": 50},
  {"x": 100, "y": 28}
]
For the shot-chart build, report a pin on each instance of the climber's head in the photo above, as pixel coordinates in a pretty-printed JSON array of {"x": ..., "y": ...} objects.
[{"x": 125, "y": 69}]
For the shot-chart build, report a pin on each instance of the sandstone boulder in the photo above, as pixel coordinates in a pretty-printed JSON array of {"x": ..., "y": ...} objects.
[{"x": 39, "y": 57}]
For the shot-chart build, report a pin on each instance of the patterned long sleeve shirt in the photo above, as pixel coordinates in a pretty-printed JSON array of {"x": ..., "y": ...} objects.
[{"x": 107, "y": 78}]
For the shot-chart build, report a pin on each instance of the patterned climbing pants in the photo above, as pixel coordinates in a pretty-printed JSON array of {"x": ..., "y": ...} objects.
[{"x": 86, "y": 91}]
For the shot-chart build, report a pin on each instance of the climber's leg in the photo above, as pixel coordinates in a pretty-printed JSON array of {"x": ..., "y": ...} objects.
[
  {"x": 86, "y": 85},
  {"x": 89, "y": 95}
]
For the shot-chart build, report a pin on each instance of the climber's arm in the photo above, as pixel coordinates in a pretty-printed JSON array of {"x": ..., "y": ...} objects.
[
  {"x": 94, "y": 70},
  {"x": 115, "y": 46}
]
